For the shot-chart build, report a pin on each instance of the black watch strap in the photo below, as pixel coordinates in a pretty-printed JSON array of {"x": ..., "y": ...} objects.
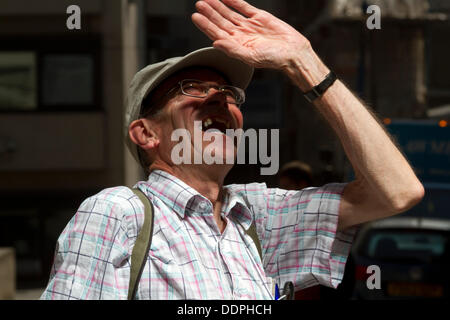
[{"x": 320, "y": 89}]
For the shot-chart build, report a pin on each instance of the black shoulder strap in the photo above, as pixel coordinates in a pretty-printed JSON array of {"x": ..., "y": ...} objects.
[{"x": 142, "y": 245}]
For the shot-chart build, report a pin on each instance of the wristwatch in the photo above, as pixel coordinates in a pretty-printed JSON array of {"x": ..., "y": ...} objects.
[{"x": 320, "y": 89}]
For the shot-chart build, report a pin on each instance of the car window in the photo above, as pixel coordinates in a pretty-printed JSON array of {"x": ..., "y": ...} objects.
[{"x": 407, "y": 245}]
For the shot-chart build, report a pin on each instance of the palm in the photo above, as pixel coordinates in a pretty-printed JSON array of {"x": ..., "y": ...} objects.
[{"x": 253, "y": 36}]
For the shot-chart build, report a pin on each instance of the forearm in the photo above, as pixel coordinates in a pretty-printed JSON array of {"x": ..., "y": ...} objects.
[
  {"x": 381, "y": 166},
  {"x": 385, "y": 182}
]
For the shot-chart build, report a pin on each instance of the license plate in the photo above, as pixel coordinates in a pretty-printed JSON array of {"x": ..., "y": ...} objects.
[{"x": 415, "y": 290}]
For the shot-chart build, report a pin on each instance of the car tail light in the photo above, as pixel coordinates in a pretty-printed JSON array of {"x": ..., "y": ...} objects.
[{"x": 361, "y": 273}]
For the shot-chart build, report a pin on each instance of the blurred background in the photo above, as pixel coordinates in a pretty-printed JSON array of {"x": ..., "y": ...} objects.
[{"x": 61, "y": 115}]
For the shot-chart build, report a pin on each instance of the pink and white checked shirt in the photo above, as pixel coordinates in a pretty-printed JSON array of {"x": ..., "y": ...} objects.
[{"x": 189, "y": 258}]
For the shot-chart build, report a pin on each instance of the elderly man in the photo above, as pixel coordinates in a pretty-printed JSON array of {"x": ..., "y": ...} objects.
[{"x": 200, "y": 249}]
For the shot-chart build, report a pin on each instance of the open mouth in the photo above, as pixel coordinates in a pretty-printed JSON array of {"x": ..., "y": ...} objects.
[{"x": 216, "y": 123}]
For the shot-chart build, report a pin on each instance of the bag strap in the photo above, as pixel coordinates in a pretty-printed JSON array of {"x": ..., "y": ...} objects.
[
  {"x": 252, "y": 233},
  {"x": 142, "y": 245}
]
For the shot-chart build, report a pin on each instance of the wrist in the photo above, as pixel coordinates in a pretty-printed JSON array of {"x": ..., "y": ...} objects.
[{"x": 306, "y": 70}]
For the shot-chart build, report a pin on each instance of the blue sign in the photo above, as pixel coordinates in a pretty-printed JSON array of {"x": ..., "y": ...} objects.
[{"x": 426, "y": 145}]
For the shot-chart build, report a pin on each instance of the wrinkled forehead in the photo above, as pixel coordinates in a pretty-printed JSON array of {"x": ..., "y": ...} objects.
[{"x": 197, "y": 73}]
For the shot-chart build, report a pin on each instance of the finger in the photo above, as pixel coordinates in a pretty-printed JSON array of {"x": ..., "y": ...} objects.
[
  {"x": 208, "y": 28},
  {"x": 226, "y": 12},
  {"x": 242, "y": 7},
  {"x": 212, "y": 15}
]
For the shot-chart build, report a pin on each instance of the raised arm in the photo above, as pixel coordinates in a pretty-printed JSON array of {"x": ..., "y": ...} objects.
[{"x": 385, "y": 184}]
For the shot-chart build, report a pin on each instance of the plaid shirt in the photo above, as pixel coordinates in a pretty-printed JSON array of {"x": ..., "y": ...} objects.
[{"x": 189, "y": 258}]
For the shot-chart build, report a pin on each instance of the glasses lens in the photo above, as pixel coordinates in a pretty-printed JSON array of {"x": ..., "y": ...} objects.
[
  {"x": 234, "y": 95},
  {"x": 194, "y": 88}
]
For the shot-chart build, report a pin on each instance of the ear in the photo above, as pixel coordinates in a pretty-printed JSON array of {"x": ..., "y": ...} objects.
[{"x": 142, "y": 134}]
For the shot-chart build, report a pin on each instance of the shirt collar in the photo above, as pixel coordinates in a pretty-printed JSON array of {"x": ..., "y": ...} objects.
[
  {"x": 235, "y": 208},
  {"x": 172, "y": 191},
  {"x": 179, "y": 196}
]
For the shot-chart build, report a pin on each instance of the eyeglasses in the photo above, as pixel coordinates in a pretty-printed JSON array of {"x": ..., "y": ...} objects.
[{"x": 200, "y": 89}]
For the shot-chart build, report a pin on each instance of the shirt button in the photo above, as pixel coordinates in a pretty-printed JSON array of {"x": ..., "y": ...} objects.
[
  {"x": 242, "y": 291},
  {"x": 202, "y": 205}
]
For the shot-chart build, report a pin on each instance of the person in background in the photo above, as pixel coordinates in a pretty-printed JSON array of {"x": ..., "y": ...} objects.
[{"x": 295, "y": 175}]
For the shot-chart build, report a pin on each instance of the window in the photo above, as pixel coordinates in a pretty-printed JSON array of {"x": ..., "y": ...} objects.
[
  {"x": 67, "y": 80},
  {"x": 50, "y": 73},
  {"x": 406, "y": 245},
  {"x": 438, "y": 51},
  {"x": 18, "y": 88}
]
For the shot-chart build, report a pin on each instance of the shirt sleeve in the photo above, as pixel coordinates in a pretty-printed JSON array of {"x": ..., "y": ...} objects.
[
  {"x": 298, "y": 232},
  {"x": 92, "y": 253}
]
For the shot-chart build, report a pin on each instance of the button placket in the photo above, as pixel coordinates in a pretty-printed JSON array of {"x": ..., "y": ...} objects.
[
  {"x": 223, "y": 254},
  {"x": 223, "y": 268}
]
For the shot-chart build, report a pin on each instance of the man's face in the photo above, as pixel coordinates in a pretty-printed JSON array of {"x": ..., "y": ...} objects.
[{"x": 181, "y": 112}]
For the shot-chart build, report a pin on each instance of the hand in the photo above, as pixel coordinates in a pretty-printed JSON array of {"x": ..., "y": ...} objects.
[{"x": 254, "y": 36}]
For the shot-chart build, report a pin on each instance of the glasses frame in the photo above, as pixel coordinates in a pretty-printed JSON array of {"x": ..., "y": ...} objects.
[{"x": 239, "y": 93}]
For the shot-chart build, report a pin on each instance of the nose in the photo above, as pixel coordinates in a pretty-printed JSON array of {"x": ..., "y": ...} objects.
[{"x": 216, "y": 96}]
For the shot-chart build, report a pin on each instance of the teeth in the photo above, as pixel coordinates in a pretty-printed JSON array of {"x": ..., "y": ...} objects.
[{"x": 208, "y": 121}]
